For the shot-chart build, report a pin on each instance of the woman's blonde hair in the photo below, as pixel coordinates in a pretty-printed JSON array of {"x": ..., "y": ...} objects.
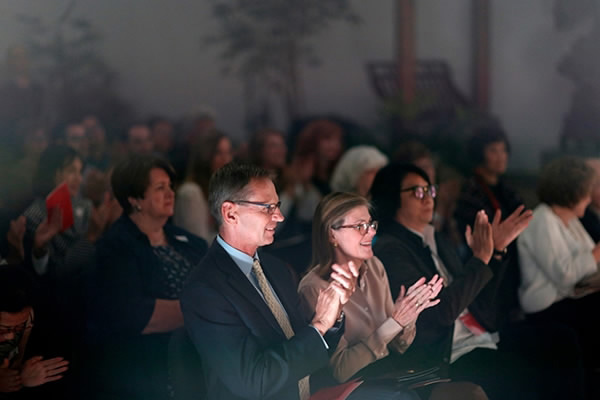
[{"x": 329, "y": 213}]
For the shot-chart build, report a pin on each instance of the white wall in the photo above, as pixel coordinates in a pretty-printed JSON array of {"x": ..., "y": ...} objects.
[{"x": 156, "y": 47}]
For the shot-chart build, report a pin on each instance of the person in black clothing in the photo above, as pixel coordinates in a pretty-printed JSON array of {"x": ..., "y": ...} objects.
[
  {"x": 133, "y": 304},
  {"x": 488, "y": 150},
  {"x": 460, "y": 334}
]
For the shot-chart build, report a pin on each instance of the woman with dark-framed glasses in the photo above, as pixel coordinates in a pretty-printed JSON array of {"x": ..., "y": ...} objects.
[
  {"x": 378, "y": 330},
  {"x": 461, "y": 334}
]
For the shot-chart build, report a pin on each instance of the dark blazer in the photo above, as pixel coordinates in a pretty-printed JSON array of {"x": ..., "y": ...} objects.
[
  {"x": 244, "y": 352},
  {"x": 121, "y": 293},
  {"x": 474, "y": 285}
]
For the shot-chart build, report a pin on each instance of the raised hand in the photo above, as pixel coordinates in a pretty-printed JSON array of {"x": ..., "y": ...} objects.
[
  {"x": 345, "y": 276},
  {"x": 10, "y": 380},
  {"x": 420, "y": 296},
  {"x": 328, "y": 307},
  {"x": 506, "y": 231},
  {"x": 47, "y": 230},
  {"x": 480, "y": 239},
  {"x": 37, "y": 371}
]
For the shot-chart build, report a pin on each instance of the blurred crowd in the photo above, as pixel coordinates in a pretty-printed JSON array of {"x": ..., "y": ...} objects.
[{"x": 89, "y": 309}]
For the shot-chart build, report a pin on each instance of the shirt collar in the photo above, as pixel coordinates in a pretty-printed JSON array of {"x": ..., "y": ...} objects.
[
  {"x": 428, "y": 235},
  {"x": 241, "y": 259}
]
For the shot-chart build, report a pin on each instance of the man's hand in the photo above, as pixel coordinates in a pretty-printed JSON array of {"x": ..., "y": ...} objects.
[
  {"x": 506, "y": 231},
  {"x": 10, "y": 380},
  {"x": 37, "y": 371},
  {"x": 480, "y": 239},
  {"x": 328, "y": 307},
  {"x": 47, "y": 230}
]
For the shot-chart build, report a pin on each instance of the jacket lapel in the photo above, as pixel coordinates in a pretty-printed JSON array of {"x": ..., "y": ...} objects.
[{"x": 240, "y": 283}]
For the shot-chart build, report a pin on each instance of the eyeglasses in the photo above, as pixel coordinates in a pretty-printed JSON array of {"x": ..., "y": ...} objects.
[
  {"x": 420, "y": 191},
  {"x": 270, "y": 207},
  {"x": 5, "y": 330},
  {"x": 363, "y": 228}
]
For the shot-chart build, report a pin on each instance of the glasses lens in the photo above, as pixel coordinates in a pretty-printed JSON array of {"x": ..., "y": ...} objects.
[
  {"x": 419, "y": 192},
  {"x": 374, "y": 225},
  {"x": 432, "y": 191}
]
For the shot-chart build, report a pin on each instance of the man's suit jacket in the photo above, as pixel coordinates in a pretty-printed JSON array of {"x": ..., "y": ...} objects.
[
  {"x": 475, "y": 286},
  {"x": 244, "y": 352}
]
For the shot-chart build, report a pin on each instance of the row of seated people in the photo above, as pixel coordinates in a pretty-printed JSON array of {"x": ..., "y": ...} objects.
[{"x": 133, "y": 293}]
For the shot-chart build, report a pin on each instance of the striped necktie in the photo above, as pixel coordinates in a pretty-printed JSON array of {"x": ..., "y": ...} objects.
[{"x": 281, "y": 317}]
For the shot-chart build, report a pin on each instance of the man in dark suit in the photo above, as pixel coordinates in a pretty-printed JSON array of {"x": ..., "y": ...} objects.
[
  {"x": 241, "y": 308},
  {"x": 461, "y": 333}
]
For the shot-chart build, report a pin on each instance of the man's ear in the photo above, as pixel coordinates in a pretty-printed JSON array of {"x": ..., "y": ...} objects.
[{"x": 229, "y": 213}]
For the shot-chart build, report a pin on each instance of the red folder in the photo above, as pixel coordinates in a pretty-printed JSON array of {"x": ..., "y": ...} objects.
[
  {"x": 338, "y": 392},
  {"x": 61, "y": 198}
]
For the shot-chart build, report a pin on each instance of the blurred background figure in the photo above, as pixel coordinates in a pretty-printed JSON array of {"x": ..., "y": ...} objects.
[
  {"x": 560, "y": 281},
  {"x": 163, "y": 135},
  {"x": 139, "y": 139},
  {"x": 98, "y": 151},
  {"x": 591, "y": 218},
  {"x": 356, "y": 170},
  {"x": 486, "y": 189},
  {"x": 191, "y": 203}
]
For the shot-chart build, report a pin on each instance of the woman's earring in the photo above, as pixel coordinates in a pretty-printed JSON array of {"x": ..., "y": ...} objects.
[
  {"x": 137, "y": 208},
  {"x": 335, "y": 244}
]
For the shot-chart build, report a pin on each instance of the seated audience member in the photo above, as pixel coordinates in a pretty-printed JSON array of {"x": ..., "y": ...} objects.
[
  {"x": 191, "y": 207},
  {"x": 139, "y": 139},
  {"x": 378, "y": 329},
  {"x": 99, "y": 154},
  {"x": 356, "y": 170},
  {"x": 460, "y": 333},
  {"x": 241, "y": 308},
  {"x": 591, "y": 217},
  {"x": 74, "y": 135},
  {"x": 268, "y": 150},
  {"x": 16, "y": 322},
  {"x": 141, "y": 265},
  {"x": 486, "y": 189},
  {"x": 559, "y": 261},
  {"x": 416, "y": 153},
  {"x": 47, "y": 242},
  {"x": 163, "y": 136},
  {"x": 319, "y": 144}
]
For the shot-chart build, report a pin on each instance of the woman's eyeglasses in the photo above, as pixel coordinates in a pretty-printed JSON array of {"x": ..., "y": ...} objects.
[
  {"x": 420, "y": 191},
  {"x": 363, "y": 228},
  {"x": 270, "y": 207}
]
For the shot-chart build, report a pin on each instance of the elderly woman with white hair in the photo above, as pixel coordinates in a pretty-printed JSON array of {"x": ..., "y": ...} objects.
[{"x": 356, "y": 170}]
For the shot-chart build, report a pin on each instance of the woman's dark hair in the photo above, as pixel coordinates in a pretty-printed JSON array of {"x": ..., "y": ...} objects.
[
  {"x": 199, "y": 165},
  {"x": 52, "y": 160},
  {"x": 131, "y": 177},
  {"x": 329, "y": 213},
  {"x": 256, "y": 145},
  {"x": 480, "y": 139},
  {"x": 16, "y": 288},
  {"x": 565, "y": 181},
  {"x": 385, "y": 191}
]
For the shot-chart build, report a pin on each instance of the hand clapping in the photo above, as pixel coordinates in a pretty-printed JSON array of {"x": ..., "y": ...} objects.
[
  {"x": 420, "y": 296},
  {"x": 480, "y": 239}
]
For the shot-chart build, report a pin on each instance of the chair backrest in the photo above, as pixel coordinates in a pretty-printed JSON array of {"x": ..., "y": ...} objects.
[{"x": 185, "y": 367}]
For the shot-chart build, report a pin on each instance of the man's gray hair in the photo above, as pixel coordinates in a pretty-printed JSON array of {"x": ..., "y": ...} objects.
[{"x": 229, "y": 183}]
